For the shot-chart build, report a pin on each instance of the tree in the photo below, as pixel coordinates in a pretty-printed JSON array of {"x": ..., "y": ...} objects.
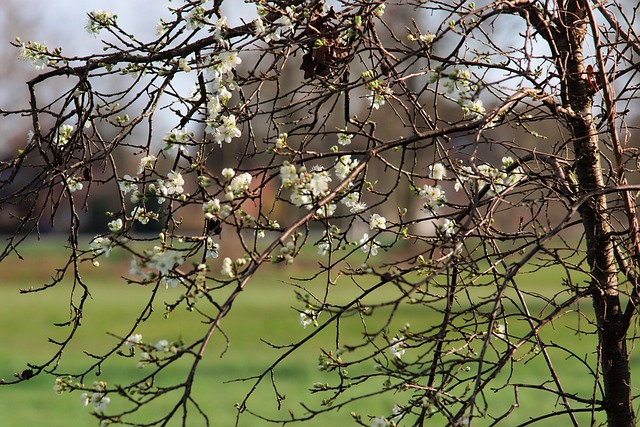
[{"x": 359, "y": 130}]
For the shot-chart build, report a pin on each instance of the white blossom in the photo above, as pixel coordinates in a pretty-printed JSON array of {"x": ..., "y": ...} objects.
[
  {"x": 98, "y": 19},
  {"x": 226, "y": 130},
  {"x": 327, "y": 210},
  {"x": 463, "y": 176},
  {"x": 174, "y": 183},
  {"x": 473, "y": 108},
  {"x": 308, "y": 317},
  {"x": 128, "y": 184},
  {"x": 378, "y": 97},
  {"x": 437, "y": 171},
  {"x": 344, "y": 166},
  {"x": 101, "y": 245},
  {"x": 165, "y": 260},
  {"x": 288, "y": 174},
  {"x": 146, "y": 163},
  {"x": 397, "y": 347},
  {"x": 240, "y": 183},
  {"x": 196, "y": 19},
  {"x": 36, "y": 53},
  {"x": 227, "y": 62},
  {"x": 115, "y": 225},
  {"x": 212, "y": 248},
  {"x": 434, "y": 198},
  {"x": 352, "y": 201},
  {"x": 73, "y": 184},
  {"x": 323, "y": 248},
  {"x": 369, "y": 247},
  {"x": 183, "y": 63},
  {"x": 162, "y": 345},
  {"x": 507, "y": 161},
  {"x": 227, "y": 267},
  {"x": 228, "y": 173},
  {"x": 448, "y": 227},
  {"x": 140, "y": 214},
  {"x": 344, "y": 138},
  {"x": 377, "y": 221},
  {"x": 132, "y": 341},
  {"x": 63, "y": 135},
  {"x": 98, "y": 400},
  {"x": 211, "y": 208},
  {"x": 319, "y": 183},
  {"x": 427, "y": 38},
  {"x": 177, "y": 138}
]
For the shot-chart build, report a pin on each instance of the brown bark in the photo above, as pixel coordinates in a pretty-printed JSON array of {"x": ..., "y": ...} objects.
[{"x": 614, "y": 360}]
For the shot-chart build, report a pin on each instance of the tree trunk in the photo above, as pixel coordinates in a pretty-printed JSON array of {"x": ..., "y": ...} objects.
[{"x": 612, "y": 348}]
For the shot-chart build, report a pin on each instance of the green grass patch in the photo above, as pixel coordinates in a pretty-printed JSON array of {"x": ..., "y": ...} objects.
[{"x": 266, "y": 310}]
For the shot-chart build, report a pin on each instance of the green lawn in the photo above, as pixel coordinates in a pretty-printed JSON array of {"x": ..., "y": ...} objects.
[{"x": 263, "y": 311}]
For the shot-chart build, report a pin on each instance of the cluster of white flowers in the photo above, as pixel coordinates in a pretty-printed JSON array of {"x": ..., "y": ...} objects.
[
  {"x": 165, "y": 260},
  {"x": 377, "y": 221},
  {"x": 281, "y": 27},
  {"x": 170, "y": 187},
  {"x": 448, "y": 227},
  {"x": 369, "y": 246},
  {"x": 146, "y": 163},
  {"x": 473, "y": 108},
  {"x": 222, "y": 127},
  {"x": 142, "y": 215},
  {"x": 437, "y": 171},
  {"x": 73, "y": 184},
  {"x": 460, "y": 81},
  {"x": 281, "y": 141},
  {"x": 427, "y": 38},
  {"x": 309, "y": 317},
  {"x": 213, "y": 249},
  {"x": 115, "y": 225},
  {"x": 239, "y": 184},
  {"x": 343, "y": 137},
  {"x": 211, "y": 208},
  {"x": 326, "y": 211},
  {"x": 177, "y": 138},
  {"x": 101, "y": 245},
  {"x": 344, "y": 166},
  {"x": 434, "y": 198},
  {"x": 352, "y": 201},
  {"x": 98, "y": 20},
  {"x": 61, "y": 385},
  {"x": 288, "y": 251},
  {"x": 305, "y": 185},
  {"x": 98, "y": 398},
  {"x": 201, "y": 275},
  {"x": 379, "y": 422},
  {"x": 378, "y": 96},
  {"x": 498, "y": 180},
  {"x": 133, "y": 341},
  {"x": 196, "y": 18},
  {"x": 63, "y": 135},
  {"x": 228, "y": 268},
  {"x": 397, "y": 346},
  {"x": 224, "y": 130},
  {"x": 37, "y": 53},
  {"x": 128, "y": 184}
]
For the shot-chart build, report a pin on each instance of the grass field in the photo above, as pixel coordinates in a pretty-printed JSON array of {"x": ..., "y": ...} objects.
[{"x": 264, "y": 311}]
